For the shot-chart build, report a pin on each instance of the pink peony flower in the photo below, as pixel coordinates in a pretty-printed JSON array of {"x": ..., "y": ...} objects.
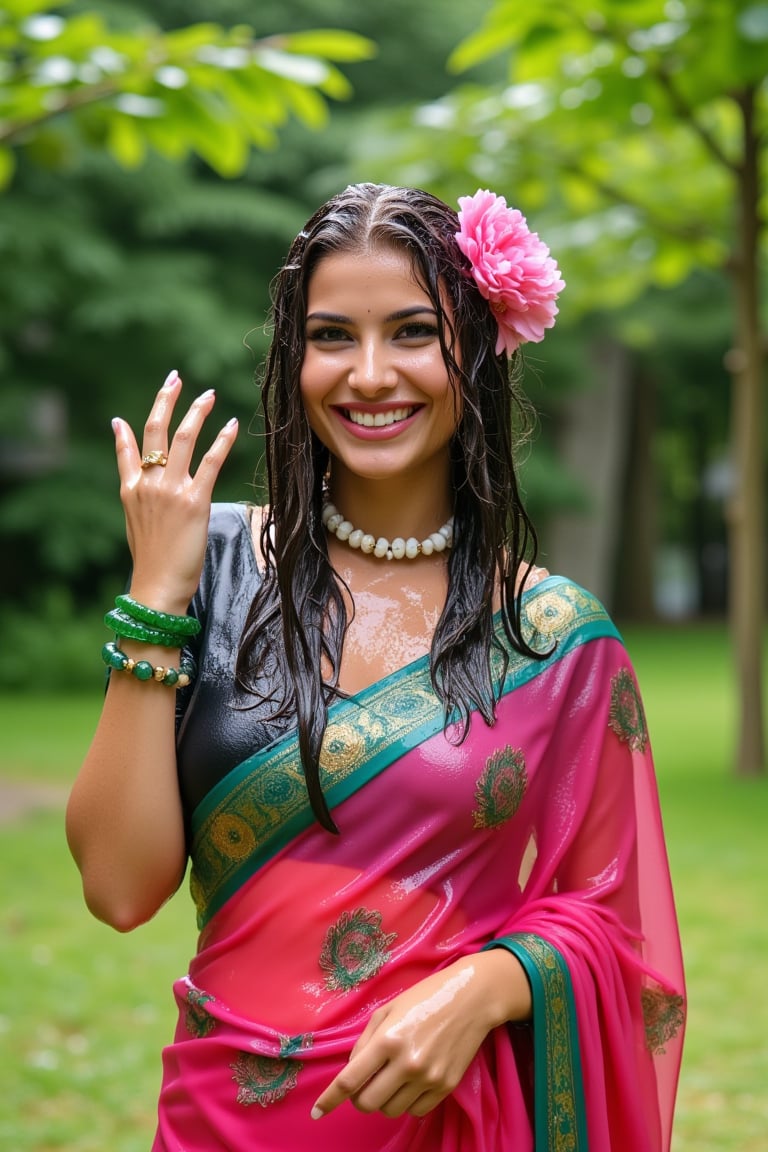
[{"x": 511, "y": 266}]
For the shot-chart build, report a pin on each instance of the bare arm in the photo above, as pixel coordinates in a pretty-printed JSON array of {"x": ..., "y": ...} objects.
[
  {"x": 415, "y": 1049},
  {"x": 124, "y": 817}
]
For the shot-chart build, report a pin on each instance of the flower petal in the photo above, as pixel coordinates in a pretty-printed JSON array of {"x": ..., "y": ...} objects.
[{"x": 511, "y": 266}]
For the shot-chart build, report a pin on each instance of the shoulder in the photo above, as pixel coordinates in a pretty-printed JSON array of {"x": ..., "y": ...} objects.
[
  {"x": 229, "y": 521},
  {"x": 556, "y": 609},
  {"x": 230, "y": 560}
]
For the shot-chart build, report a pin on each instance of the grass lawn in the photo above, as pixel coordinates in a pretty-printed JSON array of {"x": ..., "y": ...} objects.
[{"x": 85, "y": 1011}]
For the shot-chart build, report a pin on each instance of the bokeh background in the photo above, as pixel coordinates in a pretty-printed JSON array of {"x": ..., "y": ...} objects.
[{"x": 155, "y": 162}]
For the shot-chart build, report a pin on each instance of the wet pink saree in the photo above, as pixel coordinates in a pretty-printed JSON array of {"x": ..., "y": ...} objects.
[{"x": 541, "y": 834}]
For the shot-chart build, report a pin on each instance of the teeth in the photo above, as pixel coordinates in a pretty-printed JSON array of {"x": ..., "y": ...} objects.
[{"x": 381, "y": 419}]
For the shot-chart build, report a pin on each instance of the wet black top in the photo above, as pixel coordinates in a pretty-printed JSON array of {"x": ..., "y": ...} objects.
[{"x": 219, "y": 725}]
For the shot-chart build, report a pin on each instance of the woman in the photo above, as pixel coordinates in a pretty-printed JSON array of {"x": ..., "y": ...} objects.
[{"x": 412, "y": 772}]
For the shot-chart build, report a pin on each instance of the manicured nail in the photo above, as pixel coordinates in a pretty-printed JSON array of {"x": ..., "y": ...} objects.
[
  {"x": 231, "y": 423},
  {"x": 115, "y": 424},
  {"x": 317, "y": 1113},
  {"x": 171, "y": 378},
  {"x": 207, "y": 394}
]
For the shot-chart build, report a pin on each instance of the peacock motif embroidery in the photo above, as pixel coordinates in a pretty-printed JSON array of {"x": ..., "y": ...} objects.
[
  {"x": 500, "y": 788},
  {"x": 626, "y": 717},
  {"x": 355, "y": 949}
]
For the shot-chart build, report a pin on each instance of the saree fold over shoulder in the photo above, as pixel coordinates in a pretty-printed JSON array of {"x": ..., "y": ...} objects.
[{"x": 540, "y": 834}]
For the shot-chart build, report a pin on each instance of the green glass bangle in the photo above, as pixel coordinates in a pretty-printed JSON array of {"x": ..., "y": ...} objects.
[
  {"x": 142, "y": 669},
  {"x": 123, "y": 625},
  {"x": 165, "y": 621}
]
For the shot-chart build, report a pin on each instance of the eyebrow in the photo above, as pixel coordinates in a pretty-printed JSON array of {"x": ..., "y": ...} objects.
[{"x": 402, "y": 314}]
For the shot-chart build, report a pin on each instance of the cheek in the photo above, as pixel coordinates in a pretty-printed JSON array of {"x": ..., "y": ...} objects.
[{"x": 311, "y": 384}]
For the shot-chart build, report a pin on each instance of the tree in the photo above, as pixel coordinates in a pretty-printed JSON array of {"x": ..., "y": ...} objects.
[
  {"x": 213, "y": 91},
  {"x": 643, "y": 121},
  {"x": 124, "y": 253},
  {"x": 111, "y": 276}
]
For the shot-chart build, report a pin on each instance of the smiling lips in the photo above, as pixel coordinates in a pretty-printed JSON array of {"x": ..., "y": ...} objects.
[{"x": 368, "y": 422}]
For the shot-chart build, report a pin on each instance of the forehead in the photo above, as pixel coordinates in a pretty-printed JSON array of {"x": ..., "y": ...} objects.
[
  {"x": 345, "y": 281},
  {"x": 373, "y": 262}
]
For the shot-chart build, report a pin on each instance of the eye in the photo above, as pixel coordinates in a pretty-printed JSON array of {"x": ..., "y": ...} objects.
[
  {"x": 328, "y": 335},
  {"x": 417, "y": 330}
]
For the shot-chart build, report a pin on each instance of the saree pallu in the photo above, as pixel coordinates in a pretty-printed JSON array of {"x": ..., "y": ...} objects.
[{"x": 540, "y": 834}]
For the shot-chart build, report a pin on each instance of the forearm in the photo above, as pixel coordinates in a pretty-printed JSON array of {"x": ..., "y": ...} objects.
[{"x": 124, "y": 817}]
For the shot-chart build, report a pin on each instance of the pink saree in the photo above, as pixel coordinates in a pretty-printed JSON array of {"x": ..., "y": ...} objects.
[{"x": 541, "y": 834}]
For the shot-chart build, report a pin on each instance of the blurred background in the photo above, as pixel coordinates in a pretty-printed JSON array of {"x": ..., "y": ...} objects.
[{"x": 155, "y": 162}]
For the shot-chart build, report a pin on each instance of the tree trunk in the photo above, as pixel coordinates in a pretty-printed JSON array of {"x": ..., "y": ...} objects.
[
  {"x": 592, "y": 445},
  {"x": 638, "y": 537},
  {"x": 747, "y": 509}
]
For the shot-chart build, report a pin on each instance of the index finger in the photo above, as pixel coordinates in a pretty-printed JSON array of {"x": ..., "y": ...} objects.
[{"x": 348, "y": 1083}]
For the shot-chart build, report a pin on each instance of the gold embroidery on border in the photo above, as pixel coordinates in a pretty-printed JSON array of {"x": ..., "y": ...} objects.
[
  {"x": 273, "y": 792},
  {"x": 664, "y": 1015},
  {"x": 561, "y": 1136}
]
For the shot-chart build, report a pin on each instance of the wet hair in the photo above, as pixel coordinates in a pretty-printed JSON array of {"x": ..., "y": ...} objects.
[{"x": 297, "y": 620}]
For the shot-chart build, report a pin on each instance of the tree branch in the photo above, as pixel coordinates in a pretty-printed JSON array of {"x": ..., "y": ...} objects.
[
  {"x": 11, "y": 131},
  {"x": 619, "y": 37},
  {"x": 685, "y": 112},
  {"x": 688, "y": 233}
]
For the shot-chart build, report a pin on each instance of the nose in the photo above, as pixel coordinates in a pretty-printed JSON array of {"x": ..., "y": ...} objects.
[{"x": 372, "y": 369}]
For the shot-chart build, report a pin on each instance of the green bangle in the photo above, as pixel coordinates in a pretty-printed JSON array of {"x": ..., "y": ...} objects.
[
  {"x": 165, "y": 621},
  {"x": 142, "y": 669},
  {"x": 123, "y": 625}
]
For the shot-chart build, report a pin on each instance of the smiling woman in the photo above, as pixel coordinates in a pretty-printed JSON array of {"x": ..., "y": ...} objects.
[
  {"x": 412, "y": 774},
  {"x": 377, "y": 391}
]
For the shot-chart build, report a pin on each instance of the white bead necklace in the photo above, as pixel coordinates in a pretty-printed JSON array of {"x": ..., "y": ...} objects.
[{"x": 398, "y": 549}]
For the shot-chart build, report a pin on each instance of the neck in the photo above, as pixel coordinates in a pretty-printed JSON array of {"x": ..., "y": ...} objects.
[{"x": 395, "y": 508}]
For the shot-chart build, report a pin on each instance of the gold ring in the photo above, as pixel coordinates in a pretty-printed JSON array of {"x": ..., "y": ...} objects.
[{"x": 155, "y": 457}]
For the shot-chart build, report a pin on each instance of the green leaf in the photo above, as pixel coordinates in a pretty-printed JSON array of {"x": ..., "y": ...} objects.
[
  {"x": 22, "y": 8},
  {"x": 330, "y": 43},
  {"x": 187, "y": 41},
  {"x": 310, "y": 108},
  {"x": 336, "y": 85},
  {"x": 7, "y": 167},
  {"x": 299, "y": 69},
  {"x": 481, "y": 45},
  {"x": 126, "y": 142}
]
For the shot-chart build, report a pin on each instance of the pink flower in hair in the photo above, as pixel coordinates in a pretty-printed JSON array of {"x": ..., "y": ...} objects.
[{"x": 511, "y": 266}]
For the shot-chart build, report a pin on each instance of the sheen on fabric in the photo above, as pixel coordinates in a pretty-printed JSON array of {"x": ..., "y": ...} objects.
[{"x": 541, "y": 834}]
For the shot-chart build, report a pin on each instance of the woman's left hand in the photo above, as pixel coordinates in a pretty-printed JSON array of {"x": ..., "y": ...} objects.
[{"x": 415, "y": 1049}]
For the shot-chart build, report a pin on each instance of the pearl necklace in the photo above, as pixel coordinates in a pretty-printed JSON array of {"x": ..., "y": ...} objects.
[{"x": 399, "y": 548}]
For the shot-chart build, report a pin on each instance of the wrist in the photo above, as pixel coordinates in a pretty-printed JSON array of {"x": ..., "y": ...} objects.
[
  {"x": 507, "y": 997},
  {"x": 160, "y": 598}
]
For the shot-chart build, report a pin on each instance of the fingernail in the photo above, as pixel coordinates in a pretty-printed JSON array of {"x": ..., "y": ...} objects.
[
  {"x": 207, "y": 394},
  {"x": 171, "y": 378},
  {"x": 231, "y": 423},
  {"x": 115, "y": 424},
  {"x": 317, "y": 1113}
]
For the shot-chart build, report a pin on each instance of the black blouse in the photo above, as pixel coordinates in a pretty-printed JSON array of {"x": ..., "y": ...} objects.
[{"x": 218, "y": 724}]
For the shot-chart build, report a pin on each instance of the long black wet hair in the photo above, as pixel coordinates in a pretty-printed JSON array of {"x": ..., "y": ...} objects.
[{"x": 297, "y": 620}]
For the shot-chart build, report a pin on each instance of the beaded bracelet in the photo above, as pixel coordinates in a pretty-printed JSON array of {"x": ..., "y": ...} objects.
[
  {"x": 143, "y": 670},
  {"x": 164, "y": 621},
  {"x": 124, "y": 625}
]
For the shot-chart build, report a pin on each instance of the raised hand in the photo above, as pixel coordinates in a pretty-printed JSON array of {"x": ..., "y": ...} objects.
[{"x": 166, "y": 507}]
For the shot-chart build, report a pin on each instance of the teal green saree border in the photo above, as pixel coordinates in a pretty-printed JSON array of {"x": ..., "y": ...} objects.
[
  {"x": 261, "y": 805},
  {"x": 560, "y": 1122}
]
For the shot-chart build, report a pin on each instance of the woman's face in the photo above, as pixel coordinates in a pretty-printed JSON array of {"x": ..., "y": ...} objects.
[{"x": 374, "y": 383}]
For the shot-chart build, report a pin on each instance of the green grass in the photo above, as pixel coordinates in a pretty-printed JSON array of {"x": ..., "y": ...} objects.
[
  {"x": 85, "y": 1012},
  {"x": 718, "y": 848}
]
